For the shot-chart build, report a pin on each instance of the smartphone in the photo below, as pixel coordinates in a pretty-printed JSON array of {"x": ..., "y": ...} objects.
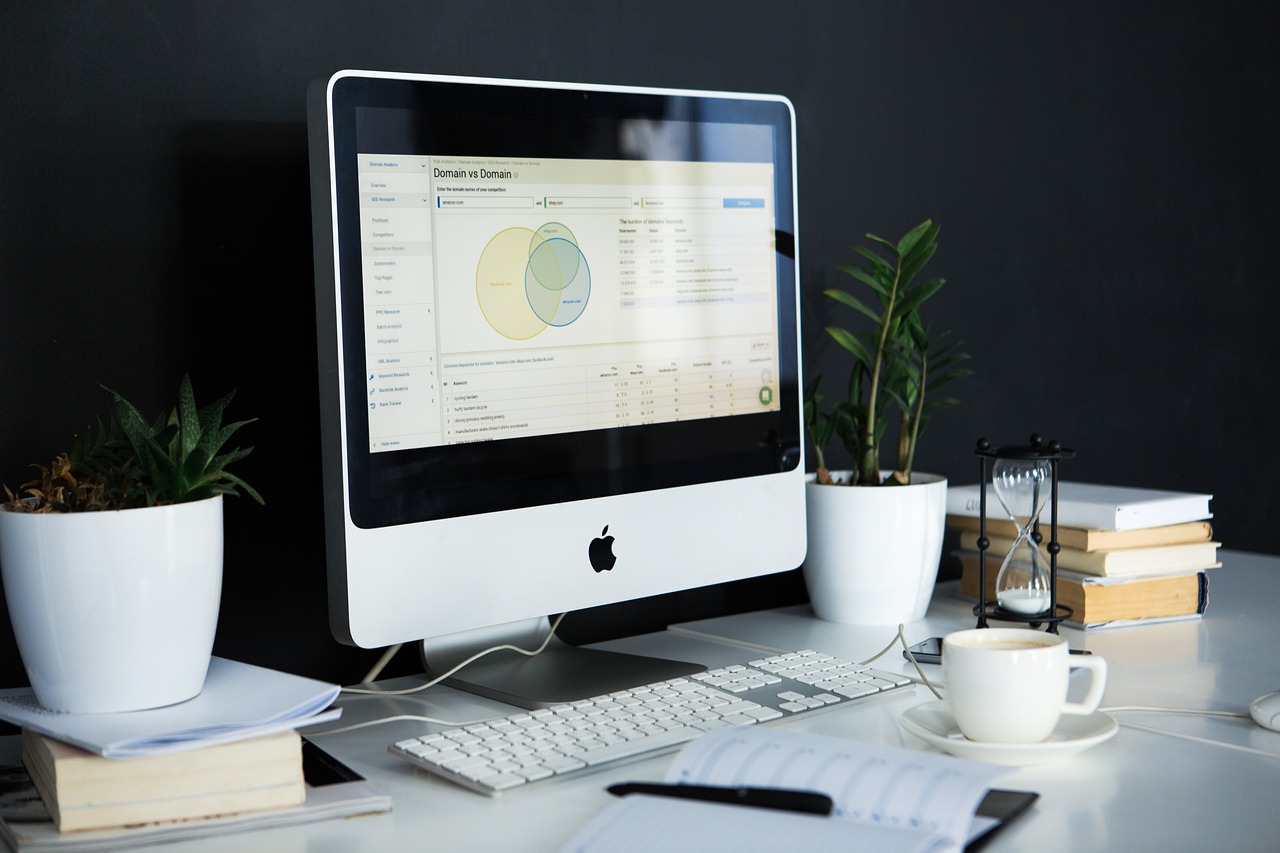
[
  {"x": 930, "y": 651},
  {"x": 927, "y": 651}
]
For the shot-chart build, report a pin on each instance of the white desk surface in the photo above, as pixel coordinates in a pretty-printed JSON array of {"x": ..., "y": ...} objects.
[{"x": 1163, "y": 782}]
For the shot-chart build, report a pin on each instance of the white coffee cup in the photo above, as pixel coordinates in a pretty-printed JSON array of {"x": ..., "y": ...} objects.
[{"x": 1009, "y": 685}]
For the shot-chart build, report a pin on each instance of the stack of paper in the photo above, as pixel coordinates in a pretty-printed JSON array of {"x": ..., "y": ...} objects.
[{"x": 239, "y": 701}]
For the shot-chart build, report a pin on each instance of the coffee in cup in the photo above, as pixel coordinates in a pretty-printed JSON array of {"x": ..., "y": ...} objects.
[{"x": 1009, "y": 685}]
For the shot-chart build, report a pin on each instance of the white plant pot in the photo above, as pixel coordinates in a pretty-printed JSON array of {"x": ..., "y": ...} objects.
[
  {"x": 874, "y": 551},
  {"x": 114, "y": 611}
]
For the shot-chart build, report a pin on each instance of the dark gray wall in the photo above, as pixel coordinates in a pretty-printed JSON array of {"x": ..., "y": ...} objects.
[{"x": 1104, "y": 173}]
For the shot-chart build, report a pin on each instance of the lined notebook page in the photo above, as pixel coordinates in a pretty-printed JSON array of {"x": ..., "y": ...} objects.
[
  {"x": 643, "y": 824},
  {"x": 869, "y": 783}
]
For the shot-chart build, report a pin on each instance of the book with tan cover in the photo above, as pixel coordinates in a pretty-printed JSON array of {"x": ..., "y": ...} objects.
[
  {"x": 1095, "y": 602},
  {"x": 1088, "y": 539},
  {"x": 1157, "y": 559},
  {"x": 87, "y": 791}
]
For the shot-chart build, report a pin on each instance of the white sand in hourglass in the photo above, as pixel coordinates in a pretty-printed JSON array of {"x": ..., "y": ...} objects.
[{"x": 1025, "y": 601}]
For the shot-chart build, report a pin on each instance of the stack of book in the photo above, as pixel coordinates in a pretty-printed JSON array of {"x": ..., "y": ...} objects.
[
  {"x": 97, "y": 794},
  {"x": 86, "y": 791},
  {"x": 1127, "y": 555},
  {"x": 227, "y": 760}
]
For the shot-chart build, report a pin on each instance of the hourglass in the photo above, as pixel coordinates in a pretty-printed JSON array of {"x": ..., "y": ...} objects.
[
  {"x": 1025, "y": 480},
  {"x": 1022, "y": 486}
]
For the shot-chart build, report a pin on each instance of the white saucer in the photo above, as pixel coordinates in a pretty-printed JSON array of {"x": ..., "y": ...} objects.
[{"x": 933, "y": 723}]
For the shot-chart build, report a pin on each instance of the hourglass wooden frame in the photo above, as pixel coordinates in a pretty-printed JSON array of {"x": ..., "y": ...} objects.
[{"x": 1036, "y": 451}]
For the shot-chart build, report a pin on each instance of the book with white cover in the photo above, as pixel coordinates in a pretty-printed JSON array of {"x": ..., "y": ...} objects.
[{"x": 1095, "y": 506}]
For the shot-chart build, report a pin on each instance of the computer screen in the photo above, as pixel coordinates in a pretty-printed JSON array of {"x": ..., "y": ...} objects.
[{"x": 558, "y": 346}]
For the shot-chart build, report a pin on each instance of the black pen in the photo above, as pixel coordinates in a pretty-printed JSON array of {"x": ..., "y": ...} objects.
[{"x": 808, "y": 802}]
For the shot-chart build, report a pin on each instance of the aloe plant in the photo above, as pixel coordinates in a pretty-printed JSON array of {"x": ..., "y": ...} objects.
[
  {"x": 131, "y": 462},
  {"x": 896, "y": 363}
]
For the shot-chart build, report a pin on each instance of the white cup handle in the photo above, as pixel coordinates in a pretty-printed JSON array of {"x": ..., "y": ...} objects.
[{"x": 1097, "y": 684}]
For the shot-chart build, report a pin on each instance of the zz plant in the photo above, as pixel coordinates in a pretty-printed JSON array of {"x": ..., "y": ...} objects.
[{"x": 896, "y": 363}]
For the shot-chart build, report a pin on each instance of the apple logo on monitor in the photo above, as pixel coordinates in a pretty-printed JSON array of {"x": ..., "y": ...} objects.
[{"x": 600, "y": 552}]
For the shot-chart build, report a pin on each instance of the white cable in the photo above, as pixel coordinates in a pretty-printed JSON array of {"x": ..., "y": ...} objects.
[
  {"x": 376, "y": 669},
  {"x": 1157, "y": 710},
  {"x": 1195, "y": 738},
  {"x": 505, "y": 647},
  {"x": 399, "y": 717},
  {"x": 883, "y": 651},
  {"x": 900, "y": 638}
]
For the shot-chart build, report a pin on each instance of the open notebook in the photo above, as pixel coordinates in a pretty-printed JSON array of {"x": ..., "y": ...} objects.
[{"x": 884, "y": 798}]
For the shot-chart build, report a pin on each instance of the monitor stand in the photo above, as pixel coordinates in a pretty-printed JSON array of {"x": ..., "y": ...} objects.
[{"x": 560, "y": 673}]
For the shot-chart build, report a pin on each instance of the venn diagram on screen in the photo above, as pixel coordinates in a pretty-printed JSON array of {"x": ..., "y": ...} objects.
[{"x": 528, "y": 280}]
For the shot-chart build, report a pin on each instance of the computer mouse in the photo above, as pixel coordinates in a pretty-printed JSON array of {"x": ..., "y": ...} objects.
[{"x": 1266, "y": 711}]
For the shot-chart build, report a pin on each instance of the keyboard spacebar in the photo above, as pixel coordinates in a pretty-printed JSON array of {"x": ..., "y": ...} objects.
[{"x": 649, "y": 743}]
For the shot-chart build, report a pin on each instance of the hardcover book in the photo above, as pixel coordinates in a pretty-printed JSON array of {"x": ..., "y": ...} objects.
[
  {"x": 1157, "y": 559},
  {"x": 333, "y": 790},
  {"x": 1097, "y": 507},
  {"x": 1088, "y": 539},
  {"x": 86, "y": 791},
  {"x": 1103, "y": 602}
]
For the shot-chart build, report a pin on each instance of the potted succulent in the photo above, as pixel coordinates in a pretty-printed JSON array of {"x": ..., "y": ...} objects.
[
  {"x": 875, "y": 535},
  {"x": 112, "y": 558}
]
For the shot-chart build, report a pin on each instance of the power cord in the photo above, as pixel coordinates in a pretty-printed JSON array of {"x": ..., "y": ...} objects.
[
  {"x": 366, "y": 691},
  {"x": 390, "y": 653},
  {"x": 1114, "y": 709},
  {"x": 413, "y": 718},
  {"x": 899, "y": 638},
  {"x": 387, "y": 654},
  {"x": 1111, "y": 710}
]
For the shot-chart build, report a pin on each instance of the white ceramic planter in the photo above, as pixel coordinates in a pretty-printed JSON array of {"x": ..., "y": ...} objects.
[
  {"x": 873, "y": 552},
  {"x": 114, "y": 611}
]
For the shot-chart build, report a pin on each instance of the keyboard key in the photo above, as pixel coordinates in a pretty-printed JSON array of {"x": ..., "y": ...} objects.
[
  {"x": 763, "y": 714},
  {"x": 626, "y": 749},
  {"x": 855, "y": 691},
  {"x": 563, "y": 765},
  {"x": 534, "y": 773},
  {"x": 502, "y": 781}
]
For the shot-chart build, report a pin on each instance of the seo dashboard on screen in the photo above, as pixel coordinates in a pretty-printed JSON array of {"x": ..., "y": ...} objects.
[{"x": 518, "y": 297}]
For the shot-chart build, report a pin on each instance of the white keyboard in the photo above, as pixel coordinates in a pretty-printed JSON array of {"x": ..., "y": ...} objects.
[{"x": 532, "y": 747}]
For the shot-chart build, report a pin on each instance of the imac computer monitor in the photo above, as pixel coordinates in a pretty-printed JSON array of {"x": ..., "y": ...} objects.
[{"x": 558, "y": 355}]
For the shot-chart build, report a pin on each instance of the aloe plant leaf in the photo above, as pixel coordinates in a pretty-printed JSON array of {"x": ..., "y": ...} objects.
[
  {"x": 215, "y": 440},
  {"x": 218, "y": 463},
  {"x": 239, "y": 483},
  {"x": 188, "y": 417},
  {"x": 211, "y": 415}
]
